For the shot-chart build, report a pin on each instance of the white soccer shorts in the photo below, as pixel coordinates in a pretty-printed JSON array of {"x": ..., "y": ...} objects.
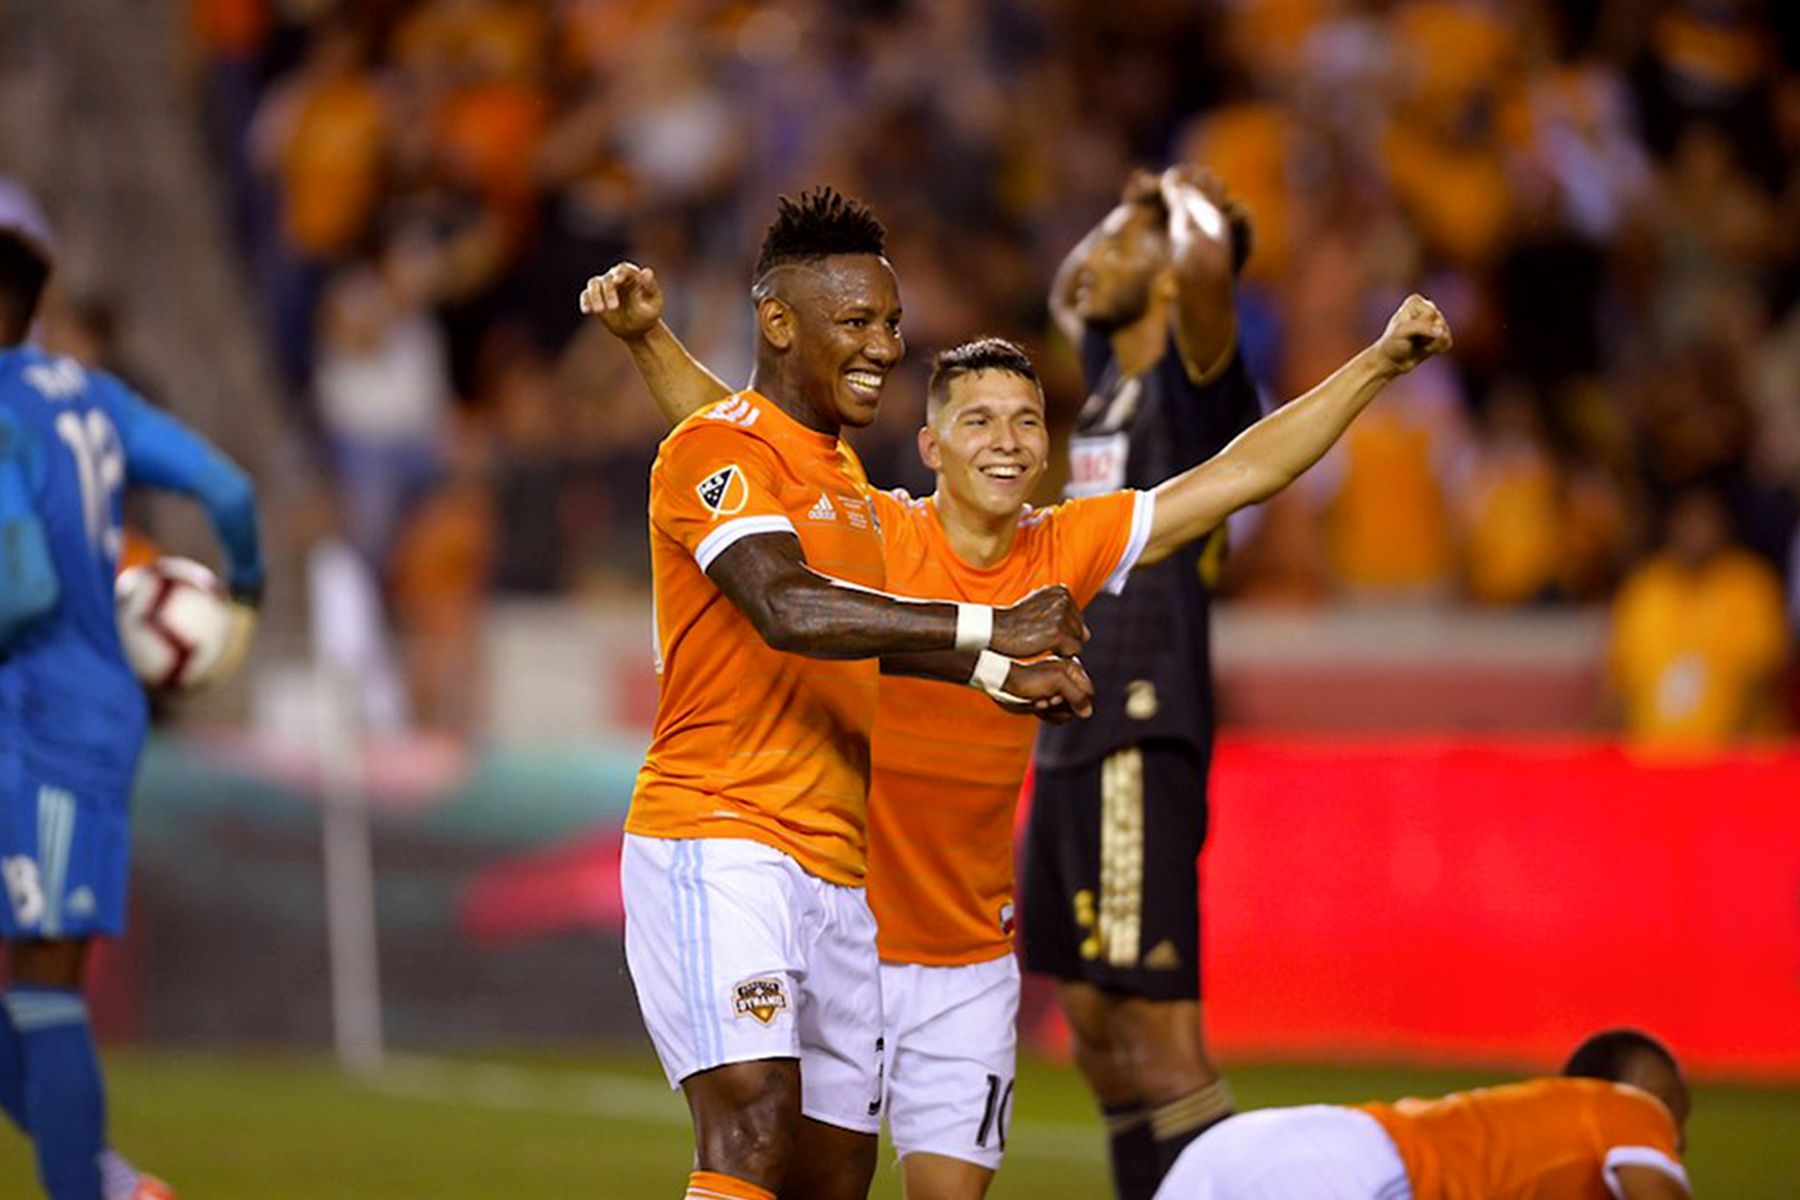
[
  {"x": 739, "y": 954},
  {"x": 952, "y": 1044},
  {"x": 1317, "y": 1152}
]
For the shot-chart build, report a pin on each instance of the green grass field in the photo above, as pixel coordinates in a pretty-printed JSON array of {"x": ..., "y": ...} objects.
[{"x": 269, "y": 1127}]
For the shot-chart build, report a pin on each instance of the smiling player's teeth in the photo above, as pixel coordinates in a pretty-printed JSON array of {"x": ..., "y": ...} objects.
[
  {"x": 1004, "y": 472},
  {"x": 863, "y": 381}
]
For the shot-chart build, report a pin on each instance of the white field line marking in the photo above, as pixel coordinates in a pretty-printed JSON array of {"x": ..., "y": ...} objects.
[{"x": 625, "y": 1098}]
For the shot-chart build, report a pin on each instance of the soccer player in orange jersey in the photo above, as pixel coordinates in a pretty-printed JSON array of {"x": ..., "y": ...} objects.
[
  {"x": 1609, "y": 1128},
  {"x": 748, "y": 934},
  {"x": 947, "y": 765}
]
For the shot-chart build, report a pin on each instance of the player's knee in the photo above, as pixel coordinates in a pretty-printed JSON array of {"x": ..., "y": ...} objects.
[
  {"x": 758, "y": 1141},
  {"x": 1099, "y": 1038},
  {"x": 1105, "y": 1061},
  {"x": 750, "y": 1132}
]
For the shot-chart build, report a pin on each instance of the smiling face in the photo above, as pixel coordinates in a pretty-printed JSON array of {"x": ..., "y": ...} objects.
[
  {"x": 837, "y": 326},
  {"x": 987, "y": 441},
  {"x": 1114, "y": 282}
]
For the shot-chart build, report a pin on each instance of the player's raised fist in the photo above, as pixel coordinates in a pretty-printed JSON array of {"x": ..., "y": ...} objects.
[
  {"x": 1045, "y": 622},
  {"x": 1415, "y": 332},
  {"x": 1052, "y": 689},
  {"x": 627, "y": 299}
]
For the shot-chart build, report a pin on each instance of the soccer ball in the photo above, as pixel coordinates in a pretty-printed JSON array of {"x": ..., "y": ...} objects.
[{"x": 174, "y": 621}]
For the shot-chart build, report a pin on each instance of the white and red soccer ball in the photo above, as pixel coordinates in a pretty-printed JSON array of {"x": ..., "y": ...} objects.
[{"x": 174, "y": 621}]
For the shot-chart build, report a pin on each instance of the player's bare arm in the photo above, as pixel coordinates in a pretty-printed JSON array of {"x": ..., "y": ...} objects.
[
  {"x": 799, "y": 611},
  {"x": 1279, "y": 448},
  {"x": 1063, "y": 310},
  {"x": 1200, "y": 252},
  {"x": 629, "y": 302},
  {"x": 1648, "y": 1183}
]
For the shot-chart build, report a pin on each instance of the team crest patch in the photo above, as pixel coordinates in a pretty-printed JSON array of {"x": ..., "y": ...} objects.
[
  {"x": 724, "y": 492},
  {"x": 761, "y": 998}
]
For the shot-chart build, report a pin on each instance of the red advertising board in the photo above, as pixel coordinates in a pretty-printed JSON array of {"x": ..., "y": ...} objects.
[{"x": 1459, "y": 900}]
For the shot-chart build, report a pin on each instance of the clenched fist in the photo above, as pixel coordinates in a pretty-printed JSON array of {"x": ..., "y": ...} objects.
[
  {"x": 627, "y": 299},
  {"x": 1045, "y": 622},
  {"x": 1415, "y": 332}
]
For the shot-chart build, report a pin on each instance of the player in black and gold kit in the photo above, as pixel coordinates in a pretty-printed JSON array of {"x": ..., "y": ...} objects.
[{"x": 1111, "y": 880}]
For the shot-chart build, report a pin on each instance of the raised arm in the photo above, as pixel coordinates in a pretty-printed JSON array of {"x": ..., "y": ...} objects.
[
  {"x": 629, "y": 302},
  {"x": 797, "y": 610},
  {"x": 1201, "y": 219},
  {"x": 1275, "y": 451},
  {"x": 1062, "y": 288}
]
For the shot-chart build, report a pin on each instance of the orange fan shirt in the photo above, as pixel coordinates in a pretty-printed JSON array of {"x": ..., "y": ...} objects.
[
  {"x": 1545, "y": 1139},
  {"x": 750, "y": 742},
  {"x": 949, "y": 761}
]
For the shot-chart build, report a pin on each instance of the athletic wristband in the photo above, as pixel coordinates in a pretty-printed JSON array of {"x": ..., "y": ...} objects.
[
  {"x": 990, "y": 673},
  {"x": 974, "y": 626}
]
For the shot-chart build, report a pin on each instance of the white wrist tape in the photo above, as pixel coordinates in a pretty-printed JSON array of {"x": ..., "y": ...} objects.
[
  {"x": 991, "y": 671},
  {"x": 974, "y": 626}
]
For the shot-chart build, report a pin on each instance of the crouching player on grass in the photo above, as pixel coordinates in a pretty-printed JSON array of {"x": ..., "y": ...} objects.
[{"x": 1610, "y": 1127}]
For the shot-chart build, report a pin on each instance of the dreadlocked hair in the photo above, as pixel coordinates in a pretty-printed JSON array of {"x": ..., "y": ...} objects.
[{"x": 821, "y": 223}]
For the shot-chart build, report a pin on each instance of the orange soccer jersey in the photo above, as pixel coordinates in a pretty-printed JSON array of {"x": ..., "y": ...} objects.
[
  {"x": 1545, "y": 1139},
  {"x": 750, "y": 742},
  {"x": 949, "y": 762}
]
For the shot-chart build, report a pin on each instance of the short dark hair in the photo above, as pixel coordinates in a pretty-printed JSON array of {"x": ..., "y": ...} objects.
[
  {"x": 24, "y": 270},
  {"x": 821, "y": 223},
  {"x": 982, "y": 354},
  {"x": 1612, "y": 1054}
]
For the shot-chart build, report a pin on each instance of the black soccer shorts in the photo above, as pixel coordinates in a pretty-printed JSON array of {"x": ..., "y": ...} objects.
[{"x": 1111, "y": 891}]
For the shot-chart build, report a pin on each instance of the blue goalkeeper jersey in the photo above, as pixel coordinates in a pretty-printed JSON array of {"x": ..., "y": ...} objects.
[{"x": 70, "y": 440}]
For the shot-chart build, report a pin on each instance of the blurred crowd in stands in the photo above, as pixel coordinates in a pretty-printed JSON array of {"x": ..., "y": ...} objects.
[{"x": 1603, "y": 196}]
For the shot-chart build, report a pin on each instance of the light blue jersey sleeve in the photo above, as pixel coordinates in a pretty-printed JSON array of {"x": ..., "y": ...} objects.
[
  {"x": 162, "y": 452},
  {"x": 28, "y": 584}
]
